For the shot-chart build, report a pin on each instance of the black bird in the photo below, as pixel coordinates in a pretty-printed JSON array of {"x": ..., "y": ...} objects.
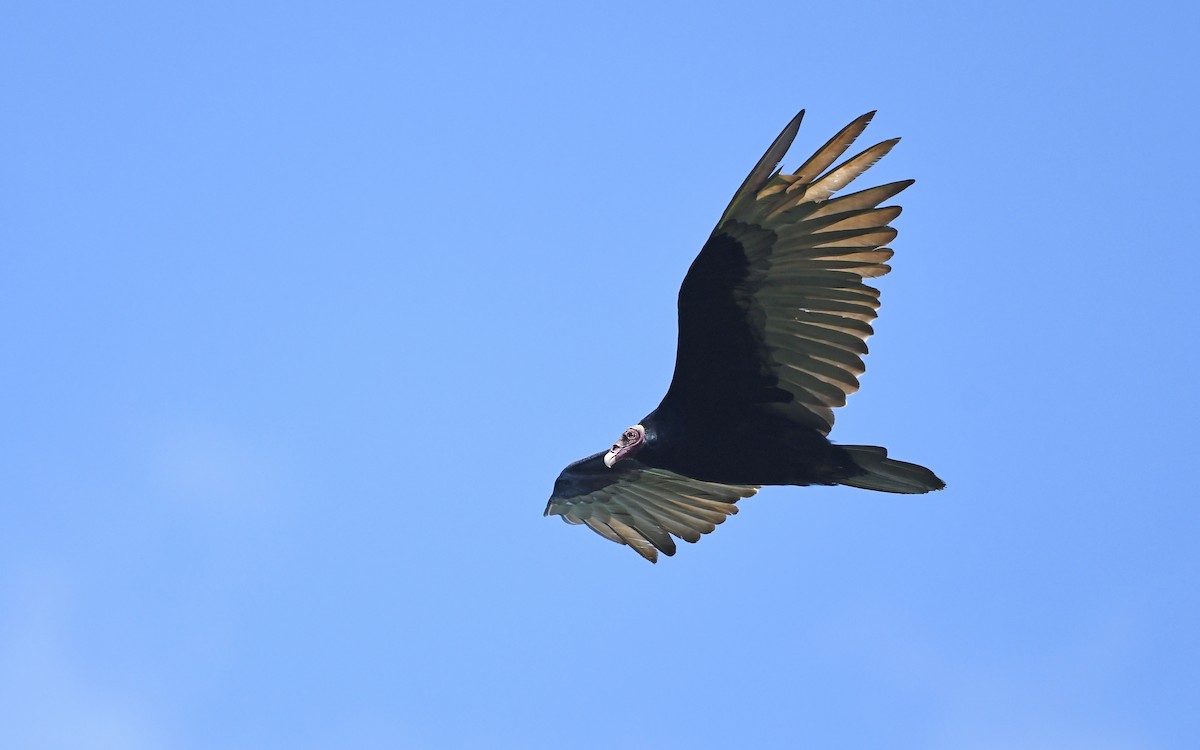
[{"x": 773, "y": 320}]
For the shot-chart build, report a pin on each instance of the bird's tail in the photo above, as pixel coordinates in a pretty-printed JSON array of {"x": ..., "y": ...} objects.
[{"x": 888, "y": 475}]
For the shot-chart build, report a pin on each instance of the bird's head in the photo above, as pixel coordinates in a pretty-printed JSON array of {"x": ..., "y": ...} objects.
[{"x": 628, "y": 444}]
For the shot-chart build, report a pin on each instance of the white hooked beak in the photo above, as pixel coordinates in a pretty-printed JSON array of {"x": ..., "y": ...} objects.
[{"x": 628, "y": 444}]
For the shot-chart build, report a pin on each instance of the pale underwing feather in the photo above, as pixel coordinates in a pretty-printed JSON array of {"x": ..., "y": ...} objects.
[{"x": 644, "y": 507}]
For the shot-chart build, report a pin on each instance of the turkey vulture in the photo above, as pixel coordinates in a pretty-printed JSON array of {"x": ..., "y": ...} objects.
[{"x": 773, "y": 320}]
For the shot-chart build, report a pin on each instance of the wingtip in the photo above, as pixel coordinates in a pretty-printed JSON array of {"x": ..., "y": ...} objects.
[
  {"x": 766, "y": 166},
  {"x": 789, "y": 133}
]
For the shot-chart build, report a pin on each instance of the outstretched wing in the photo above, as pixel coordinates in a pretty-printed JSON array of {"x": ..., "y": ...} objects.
[
  {"x": 641, "y": 506},
  {"x": 774, "y": 311}
]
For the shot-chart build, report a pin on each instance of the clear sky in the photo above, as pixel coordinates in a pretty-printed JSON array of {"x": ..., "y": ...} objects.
[{"x": 303, "y": 306}]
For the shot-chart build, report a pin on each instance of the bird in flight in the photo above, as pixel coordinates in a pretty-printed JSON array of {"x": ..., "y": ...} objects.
[{"x": 773, "y": 322}]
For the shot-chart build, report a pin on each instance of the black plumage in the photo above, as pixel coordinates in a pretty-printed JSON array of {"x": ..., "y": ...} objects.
[{"x": 773, "y": 320}]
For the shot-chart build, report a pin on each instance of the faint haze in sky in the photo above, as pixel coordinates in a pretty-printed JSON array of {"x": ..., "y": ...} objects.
[{"x": 303, "y": 308}]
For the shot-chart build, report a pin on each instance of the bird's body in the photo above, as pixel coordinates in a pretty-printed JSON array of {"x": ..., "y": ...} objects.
[
  {"x": 764, "y": 448},
  {"x": 773, "y": 318}
]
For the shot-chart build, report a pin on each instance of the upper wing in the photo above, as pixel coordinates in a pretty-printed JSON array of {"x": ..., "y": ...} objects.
[
  {"x": 640, "y": 506},
  {"x": 774, "y": 310}
]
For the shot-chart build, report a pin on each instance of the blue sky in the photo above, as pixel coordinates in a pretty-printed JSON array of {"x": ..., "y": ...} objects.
[{"x": 304, "y": 306}]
